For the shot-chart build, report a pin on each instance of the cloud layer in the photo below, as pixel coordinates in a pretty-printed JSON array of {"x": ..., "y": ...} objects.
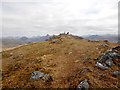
[{"x": 80, "y": 17}]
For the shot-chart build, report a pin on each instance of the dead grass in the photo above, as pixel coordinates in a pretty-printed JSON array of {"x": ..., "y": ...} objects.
[{"x": 58, "y": 60}]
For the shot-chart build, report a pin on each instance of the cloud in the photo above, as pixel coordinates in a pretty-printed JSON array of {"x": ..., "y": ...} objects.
[{"x": 41, "y": 17}]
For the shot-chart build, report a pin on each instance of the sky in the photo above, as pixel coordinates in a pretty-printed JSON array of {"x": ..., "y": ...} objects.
[{"x": 41, "y": 17}]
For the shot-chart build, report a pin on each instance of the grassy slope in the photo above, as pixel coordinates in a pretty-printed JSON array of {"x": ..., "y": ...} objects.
[
  {"x": 63, "y": 60},
  {"x": 10, "y": 43}
]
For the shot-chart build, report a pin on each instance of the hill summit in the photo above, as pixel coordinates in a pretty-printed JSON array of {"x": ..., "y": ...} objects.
[{"x": 63, "y": 61}]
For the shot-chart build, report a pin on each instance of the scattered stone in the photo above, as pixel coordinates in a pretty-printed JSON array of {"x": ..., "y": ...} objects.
[
  {"x": 39, "y": 74},
  {"x": 11, "y": 54},
  {"x": 76, "y": 38},
  {"x": 43, "y": 57},
  {"x": 77, "y": 61},
  {"x": 70, "y": 52},
  {"x": 45, "y": 76},
  {"x": 88, "y": 40},
  {"x": 105, "y": 40},
  {"x": 109, "y": 50},
  {"x": 101, "y": 65},
  {"x": 54, "y": 41},
  {"x": 36, "y": 75},
  {"x": 106, "y": 60},
  {"x": 114, "y": 55},
  {"x": 116, "y": 73},
  {"x": 116, "y": 48},
  {"x": 104, "y": 45},
  {"x": 86, "y": 59},
  {"x": 100, "y": 58},
  {"x": 109, "y": 62},
  {"x": 96, "y": 48},
  {"x": 63, "y": 37},
  {"x": 105, "y": 74},
  {"x": 83, "y": 70},
  {"x": 95, "y": 58},
  {"x": 37, "y": 57},
  {"x": 83, "y": 85},
  {"x": 21, "y": 55},
  {"x": 93, "y": 40},
  {"x": 100, "y": 52}
]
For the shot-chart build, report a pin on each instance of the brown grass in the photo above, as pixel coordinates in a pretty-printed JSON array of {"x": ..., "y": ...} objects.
[{"x": 59, "y": 60}]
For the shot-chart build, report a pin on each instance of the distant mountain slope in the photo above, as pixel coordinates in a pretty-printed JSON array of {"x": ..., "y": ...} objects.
[
  {"x": 110, "y": 38},
  {"x": 13, "y": 42},
  {"x": 9, "y": 43}
]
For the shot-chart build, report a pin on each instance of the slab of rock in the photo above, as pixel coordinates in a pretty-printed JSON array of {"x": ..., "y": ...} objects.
[
  {"x": 39, "y": 75},
  {"x": 104, "y": 44},
  {"x": 54, "y": 41},
  {"x": 83, "y": 85},
  {"x": 100, "y": 65},
  {"x": 83, "y": 70},
  {"x": 109, "y": 62}
]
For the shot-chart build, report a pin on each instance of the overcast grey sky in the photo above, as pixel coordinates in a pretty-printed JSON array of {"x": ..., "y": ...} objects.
[{"x": 41, "y": 17}]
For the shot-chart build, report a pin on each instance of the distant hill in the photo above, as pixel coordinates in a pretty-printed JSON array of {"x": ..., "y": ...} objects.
[
  {"x": 9, "y": 43},
  {"x": 110, "y": 38},
  {"x": 13, "y": 42},
  {"x": 23, "y": 38}
]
